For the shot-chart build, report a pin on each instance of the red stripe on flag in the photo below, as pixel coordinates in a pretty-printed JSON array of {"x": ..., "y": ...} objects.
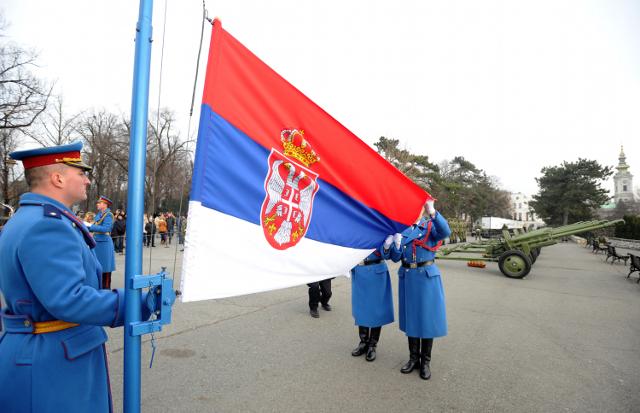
[{"x": 258, "y": 101}]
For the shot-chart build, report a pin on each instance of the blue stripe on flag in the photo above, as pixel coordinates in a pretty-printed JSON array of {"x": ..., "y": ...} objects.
[{"x": 229, "y": 173}]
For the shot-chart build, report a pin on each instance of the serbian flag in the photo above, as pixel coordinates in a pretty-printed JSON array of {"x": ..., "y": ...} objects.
[{"x": 282, "y": 193}]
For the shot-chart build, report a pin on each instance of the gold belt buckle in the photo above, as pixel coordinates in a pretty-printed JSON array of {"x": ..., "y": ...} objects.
[{"x": 413, "y": 265}]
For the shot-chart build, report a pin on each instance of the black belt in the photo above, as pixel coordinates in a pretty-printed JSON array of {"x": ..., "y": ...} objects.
[
  {"x": 372, "y": 262},
  {"x": 416, "y": 264}
]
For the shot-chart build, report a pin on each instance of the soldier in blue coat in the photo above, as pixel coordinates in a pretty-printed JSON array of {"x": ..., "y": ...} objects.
[
  {"x": 52, "y": 352},
  {"x": 104, "y": 244},
  {"x": 371, "y": 301},
  {"x": 422, "y": 311}
]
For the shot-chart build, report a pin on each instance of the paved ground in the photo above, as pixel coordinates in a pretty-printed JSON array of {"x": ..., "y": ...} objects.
[{"x": 565, "y": 339}]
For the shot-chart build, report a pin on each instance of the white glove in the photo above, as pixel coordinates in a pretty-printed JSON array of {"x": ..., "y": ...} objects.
[
  {"x": 397, "y": 238},
  {"x": 430, "y": 209},
  {"x": 387, "y": 242}
]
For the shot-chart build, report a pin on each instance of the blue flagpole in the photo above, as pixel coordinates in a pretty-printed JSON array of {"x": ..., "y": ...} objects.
[{"x": 135, "y": 204}]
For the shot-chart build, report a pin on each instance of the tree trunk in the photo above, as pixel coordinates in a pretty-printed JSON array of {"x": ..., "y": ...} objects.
[
  {"x": 154, "y": 192},
  {"x": 5, "y": 188},
  {"x": 565, "y": 217}
]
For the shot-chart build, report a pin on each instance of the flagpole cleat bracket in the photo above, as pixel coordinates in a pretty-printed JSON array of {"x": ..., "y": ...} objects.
[{"x": 159, "y": 301}]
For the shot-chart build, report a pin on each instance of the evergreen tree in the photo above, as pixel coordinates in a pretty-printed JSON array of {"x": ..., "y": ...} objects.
[
  {"x": 570, "y": 192},
  {"x": 460, "y": 187}
]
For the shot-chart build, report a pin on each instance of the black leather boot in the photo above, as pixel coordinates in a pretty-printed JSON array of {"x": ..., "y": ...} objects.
[
  {"x": 106, "y": 280},
  {"x": 414, "y": 356},
  {"x": 363, "y": 332},
  {"x": 373, "y": 342},
  {"x": 425, "y": 358}
]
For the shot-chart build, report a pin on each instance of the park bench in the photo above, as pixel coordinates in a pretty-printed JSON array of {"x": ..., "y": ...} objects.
[
  {"x": 597, "y": 247},
  {"x": 611, "y": 253},
  {"x": 588, "y": 242},
  {"x": 634, "y": 266}
]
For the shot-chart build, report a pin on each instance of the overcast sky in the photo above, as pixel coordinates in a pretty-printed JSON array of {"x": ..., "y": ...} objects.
[{"x": 512, "y": 86}]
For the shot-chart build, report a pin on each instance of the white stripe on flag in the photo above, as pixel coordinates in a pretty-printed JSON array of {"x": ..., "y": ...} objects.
[{"x": 225, "y": 256}]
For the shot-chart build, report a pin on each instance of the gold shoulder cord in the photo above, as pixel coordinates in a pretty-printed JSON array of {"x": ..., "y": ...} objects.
[{"x": 103, "y": 217}]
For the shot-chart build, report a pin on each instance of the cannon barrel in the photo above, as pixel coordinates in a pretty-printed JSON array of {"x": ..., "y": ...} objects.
[
  {"x": 551, "y": 231},
  {"x": 588, "y": 226},
  {"x": 542, "y": 243},
  {"x": 564, "y": 231}
]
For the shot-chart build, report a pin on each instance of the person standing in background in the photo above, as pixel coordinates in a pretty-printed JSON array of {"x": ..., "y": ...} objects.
[
  {"x": 319, "y": 293},
  {"x": 119, "y": 232},
  {"x": 101, "y": 230}
]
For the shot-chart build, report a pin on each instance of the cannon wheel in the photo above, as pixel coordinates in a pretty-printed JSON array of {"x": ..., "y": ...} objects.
[{"x": 514, "y": 264}]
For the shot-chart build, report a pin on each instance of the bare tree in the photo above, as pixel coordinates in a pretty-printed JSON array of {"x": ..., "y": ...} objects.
[
  {"x": 55, "y": 126},
  {"x": 167, "y": 157},
  {"x": 106, "y": 138},
  {"x": 23, "y": 98},
  {"x": 24, "y": 111},
  {"x": 168, "y": 169},
  {"x": 8, "y": 143}
]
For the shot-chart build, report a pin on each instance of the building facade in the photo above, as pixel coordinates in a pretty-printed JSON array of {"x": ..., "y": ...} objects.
[{"x": 521, "y": 210}]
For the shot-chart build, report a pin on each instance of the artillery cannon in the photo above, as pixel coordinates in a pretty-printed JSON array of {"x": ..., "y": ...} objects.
[{"x": 516, "y": 254}]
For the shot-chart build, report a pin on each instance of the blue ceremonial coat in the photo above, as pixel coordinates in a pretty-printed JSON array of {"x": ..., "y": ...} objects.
[
  {"x": 104, "y": 244},
  {"x": 371, "y": 299},
  {"x": 422, "y": 312},
  {"x": 48, "y": 271}
]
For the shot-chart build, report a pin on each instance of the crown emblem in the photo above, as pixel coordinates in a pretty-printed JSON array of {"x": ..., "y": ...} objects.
[{"x": 296, "y": 146}]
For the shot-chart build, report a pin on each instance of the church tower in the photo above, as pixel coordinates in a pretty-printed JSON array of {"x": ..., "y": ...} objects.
[{"x": 623, "y": 180}]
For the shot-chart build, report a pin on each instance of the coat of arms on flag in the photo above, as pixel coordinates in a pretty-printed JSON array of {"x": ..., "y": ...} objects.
[{"x": 290, "y": 189}]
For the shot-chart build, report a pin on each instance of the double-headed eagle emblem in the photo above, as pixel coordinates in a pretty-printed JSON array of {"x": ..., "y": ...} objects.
[{"x": 290, "y": 189}]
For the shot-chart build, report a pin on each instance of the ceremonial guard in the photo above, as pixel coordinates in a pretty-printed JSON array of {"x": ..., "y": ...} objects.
[
  {"x": 104, "y": 245},
  {"x": 52, "y": 354},
  {"x": 371, "y": 300},
  {"x": 421, "y": 300}
]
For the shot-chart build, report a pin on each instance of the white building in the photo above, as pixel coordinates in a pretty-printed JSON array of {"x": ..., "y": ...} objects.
[
  {"x": 623, "y": 181},
  {"x": 521, "y": 210}
]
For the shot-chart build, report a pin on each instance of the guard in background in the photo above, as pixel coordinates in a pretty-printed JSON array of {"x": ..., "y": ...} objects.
[
  {"x": 319, "y": 293},
  {"x": 371, "y": 299},
  {"x": 52, "y": 353},
  {"x": 104, "y": 245},
  {"x": 422, "y": 311}
]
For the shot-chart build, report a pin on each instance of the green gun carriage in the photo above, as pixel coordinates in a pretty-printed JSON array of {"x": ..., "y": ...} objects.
[{"x": 516, "y": 254}]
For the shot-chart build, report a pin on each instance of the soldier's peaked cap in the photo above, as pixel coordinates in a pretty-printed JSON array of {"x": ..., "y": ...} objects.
[
  {"x": 64, "y": 154},
  {"x": 105, "y": 200}
]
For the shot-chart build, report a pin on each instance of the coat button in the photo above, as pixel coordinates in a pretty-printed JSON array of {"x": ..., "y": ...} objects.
[{"x": 27, "y": 323}]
